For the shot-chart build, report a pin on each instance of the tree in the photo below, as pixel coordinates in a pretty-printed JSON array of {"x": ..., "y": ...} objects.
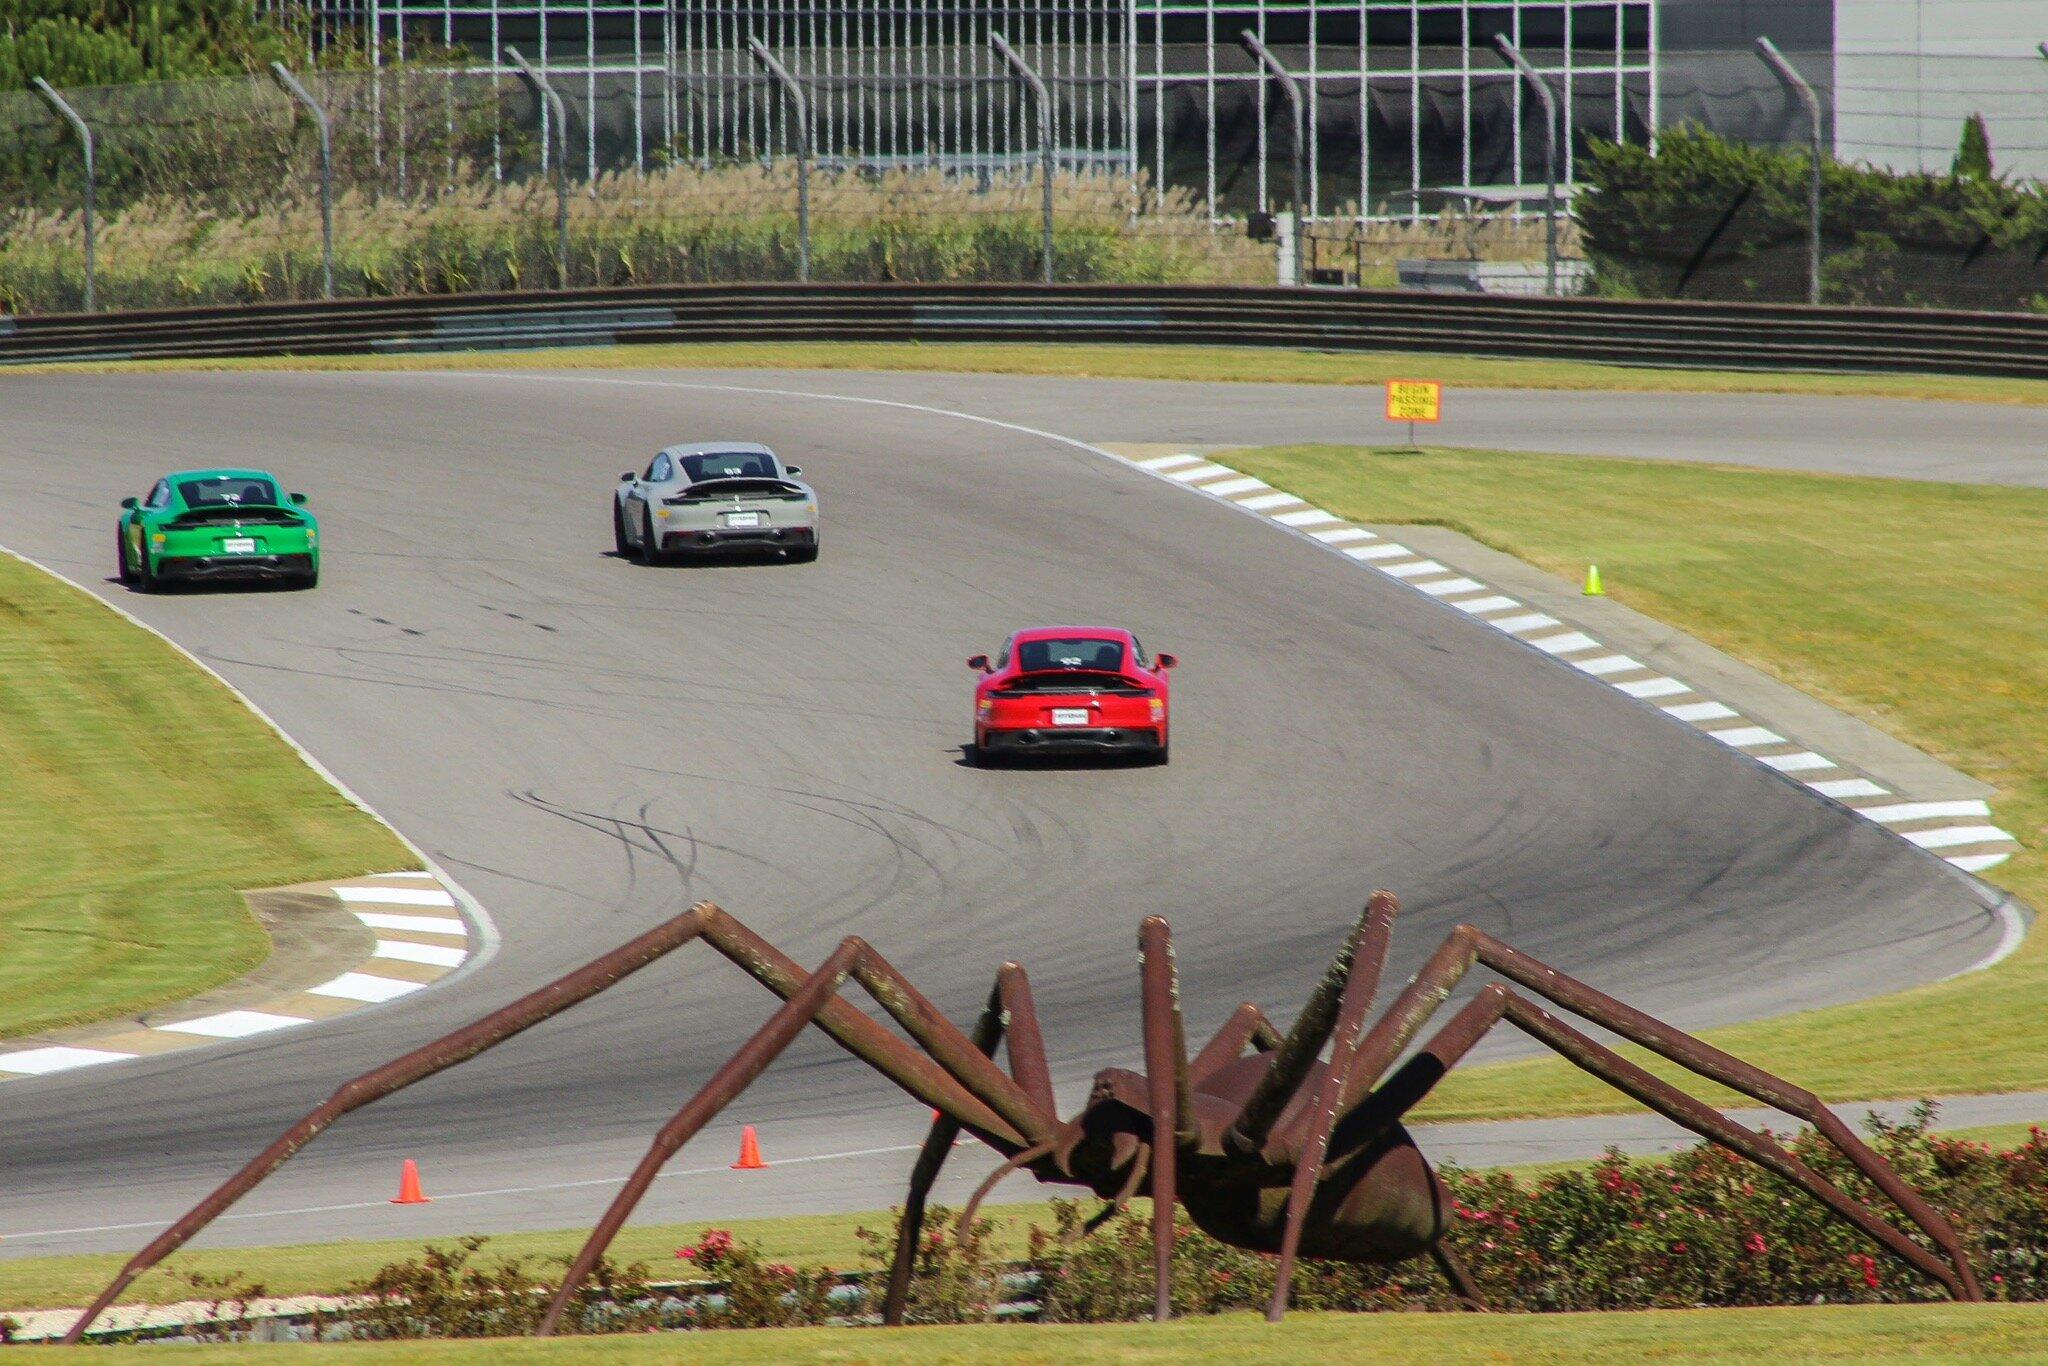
[
  {"x": 1973, "y": 154},
  {"x": 112, "y": 42}
]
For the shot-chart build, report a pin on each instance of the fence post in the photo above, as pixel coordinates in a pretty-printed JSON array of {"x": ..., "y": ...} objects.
[
  {"x": 70, "y": 115},
  {"x": 559, "y": 117},
  {"x": 1045, "y": 143},
  {"x": 1293, "y": 92},
  {"x": 802, "y": 108},
  {"x": 1513, "y": 57},
  {"x": 1775, "y": 60},
  {"x": 305, "y": 97}
]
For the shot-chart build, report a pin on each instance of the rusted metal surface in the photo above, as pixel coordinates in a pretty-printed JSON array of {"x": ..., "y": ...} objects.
[
  {"x": 1220, "y": 1137},
  {"x": 443, "y": 1053}
]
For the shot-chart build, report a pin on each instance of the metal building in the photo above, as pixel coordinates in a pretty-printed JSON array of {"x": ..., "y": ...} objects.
[{"x": 1408, "y": 103}]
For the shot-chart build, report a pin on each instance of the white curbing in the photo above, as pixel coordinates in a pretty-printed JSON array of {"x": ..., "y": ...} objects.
[{"x": 1977, "y": 845}]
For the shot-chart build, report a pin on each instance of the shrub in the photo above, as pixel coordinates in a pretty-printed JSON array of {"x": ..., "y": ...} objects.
[
  {"x": 1709, "y": 218},
  {"x": 755, "y": 1293},
  {"x": 953, "y": 1279},
  {"x": 449, "y": 1292},
  {"x": 1700, "y": 1228}
]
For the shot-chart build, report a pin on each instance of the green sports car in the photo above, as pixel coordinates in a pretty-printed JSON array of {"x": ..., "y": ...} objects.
[{"x": 217, "y": 524}]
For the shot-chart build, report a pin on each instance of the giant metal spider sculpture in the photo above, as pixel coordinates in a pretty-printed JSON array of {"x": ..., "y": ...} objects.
[{"x": 1274, "y": 1150}]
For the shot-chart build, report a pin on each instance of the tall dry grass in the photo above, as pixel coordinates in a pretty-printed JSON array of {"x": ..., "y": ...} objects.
[{"x": 681, "y": 225}]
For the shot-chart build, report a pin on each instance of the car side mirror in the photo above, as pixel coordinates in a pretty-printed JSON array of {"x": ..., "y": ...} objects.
[
  {"x": 979, "y": 662},
  {"x": 1169, "y": 661},
  {"x": 299, "y": 500},
  {"x": 128, "y": 503},
  {"x": 626, "y": 478},
  {"x": 793, "y": 469}
]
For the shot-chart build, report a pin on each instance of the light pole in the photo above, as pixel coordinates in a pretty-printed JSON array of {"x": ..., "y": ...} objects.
[
  {"x": 1045, "y": 147},
  {"x": 802, "y": 107},
  {"x": 305, "y": 97},
  {"x": 1292, "y": 88},
  {"x": 70, "y": 115},
  {"x": 1775, "y": 60},
  {"x": 1513, "y": 57},
  {"x": 557, "y": 114}
]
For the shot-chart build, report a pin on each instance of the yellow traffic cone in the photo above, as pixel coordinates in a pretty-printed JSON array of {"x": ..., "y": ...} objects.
[{"x": 1593, "y": 588}]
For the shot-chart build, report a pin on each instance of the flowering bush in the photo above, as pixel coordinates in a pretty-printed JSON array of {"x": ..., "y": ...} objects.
[
  {"x": 755, "y": 1293},
  {"x": 953, "y": 1278},
  {"x": 1701, "y": 1227},
  {"x": 450, "y": 1292}
]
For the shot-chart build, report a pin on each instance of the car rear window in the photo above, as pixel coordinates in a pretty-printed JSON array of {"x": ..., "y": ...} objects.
[
  {"x": 1104, "y": 656},
  {"x": 227, "y": 490},
  {"x": 728, "y": 465}
]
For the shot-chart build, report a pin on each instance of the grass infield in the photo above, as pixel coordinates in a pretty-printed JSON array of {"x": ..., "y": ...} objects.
[
  {"x": 1209, "y": 364},
  {"x": 1741, "y": 1337},
  {"x": 137, "y": 795},
  {"x": 1921, "y": 607}
]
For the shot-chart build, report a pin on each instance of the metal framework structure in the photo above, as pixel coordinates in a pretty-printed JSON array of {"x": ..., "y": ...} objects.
[
  {"x": 1219, "y": 1133},
  {"x": 1407, "y": 104}
]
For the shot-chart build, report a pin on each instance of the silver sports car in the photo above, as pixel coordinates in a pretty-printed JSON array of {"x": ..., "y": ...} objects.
[{"x": 715, "y": 495}]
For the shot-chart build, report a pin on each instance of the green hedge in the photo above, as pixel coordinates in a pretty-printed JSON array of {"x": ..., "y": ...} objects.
[{"x": 1706, "y": 218}]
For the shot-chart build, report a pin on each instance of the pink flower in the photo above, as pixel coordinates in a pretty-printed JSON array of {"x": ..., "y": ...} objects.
[
  {"x": 687, "y": 1253},
  {"x": 1755, "y": 1243}
]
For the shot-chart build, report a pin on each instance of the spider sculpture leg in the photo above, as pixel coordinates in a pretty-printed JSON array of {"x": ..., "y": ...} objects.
[
  {"x": 1169, "y": 1094},
  {"x": 1012, "y": 1017},
  {"x": 1321, "y": 1115},
  {"x": 1367, "y": 1113},
  {"x": 810, "y": 1000},
  {"x": 423, "y": 1062},
  {"x": 1246, "y": 1025}
]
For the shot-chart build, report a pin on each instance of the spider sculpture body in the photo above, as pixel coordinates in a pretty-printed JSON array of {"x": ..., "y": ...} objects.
[{"x": 1266, "y": 1143}]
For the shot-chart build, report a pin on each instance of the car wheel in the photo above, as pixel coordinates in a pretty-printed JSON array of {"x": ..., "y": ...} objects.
[
  {"x": 309, "y": 579},
  {"x": 1164, "y": 754},
  {"x": 649, "y": 550},
  {"x": 804, "y": 554},
  {"x": 619, "y": 531},
  {"x": 145, "y": 577},
  {"x": 121, "y": 567}
]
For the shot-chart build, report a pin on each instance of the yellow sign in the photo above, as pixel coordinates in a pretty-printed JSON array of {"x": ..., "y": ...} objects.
[{"x": 1414, "y": 400}]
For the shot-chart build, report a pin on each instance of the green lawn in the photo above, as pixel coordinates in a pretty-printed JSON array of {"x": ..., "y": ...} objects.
[
  {"x": 1921, "y": 607},
  {"x": 136, "y": 796},
  {"x": 1742, "y": 1337},
  {"x": 1212, "y": 364}
]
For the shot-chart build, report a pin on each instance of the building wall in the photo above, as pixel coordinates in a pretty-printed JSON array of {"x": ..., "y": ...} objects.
[{"x": 1909, "y": 72}]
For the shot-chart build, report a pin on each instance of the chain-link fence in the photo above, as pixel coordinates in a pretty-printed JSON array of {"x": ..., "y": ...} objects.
[{"x": 446, "y": 181}]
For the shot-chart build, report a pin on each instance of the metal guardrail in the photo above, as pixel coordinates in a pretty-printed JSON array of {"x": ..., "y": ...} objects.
[{"x": 1677, "y": 334}]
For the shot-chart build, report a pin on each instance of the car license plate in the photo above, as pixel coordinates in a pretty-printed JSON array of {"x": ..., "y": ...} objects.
[
  {"x": 239, "y": 545},
  {"x": 743, "y": 519},
  {"x": 1070, "y": 716}
]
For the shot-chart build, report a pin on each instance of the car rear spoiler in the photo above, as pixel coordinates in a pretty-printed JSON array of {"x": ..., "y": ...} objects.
[
  {"x": 238, "y": 512},
  {"x": 740, "y": 487}
]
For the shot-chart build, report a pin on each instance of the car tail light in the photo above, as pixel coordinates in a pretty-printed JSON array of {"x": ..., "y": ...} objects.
[
  {"x": 984, "y": 705},
  {"x": 1158, "y": 706}
]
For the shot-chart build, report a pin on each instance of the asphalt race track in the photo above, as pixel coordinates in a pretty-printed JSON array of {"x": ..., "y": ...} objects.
[{"x": 589, "y": 745}]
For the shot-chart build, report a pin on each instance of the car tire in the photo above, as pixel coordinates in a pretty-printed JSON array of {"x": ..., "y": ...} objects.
[
  {"x": 309, "y": 579},
  {"x": 1164, "y": 754},
  {"x": 980, "y": 756},
  {"x": 145, "y": 577},
  {"x": 804, "y": 554},
  {"x": 619, "y": 543},
  {"x": 121, "y": 567},
  {"x": 649, "y": 553}
]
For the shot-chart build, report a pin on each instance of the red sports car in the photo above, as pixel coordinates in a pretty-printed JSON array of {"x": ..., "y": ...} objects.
[{"x": 1068, "y": 689}]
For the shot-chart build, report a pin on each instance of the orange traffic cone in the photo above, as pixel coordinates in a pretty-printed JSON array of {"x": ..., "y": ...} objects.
[
  {"x": 409, "y": 1192},
  {"x": 750, "y": 1151}
]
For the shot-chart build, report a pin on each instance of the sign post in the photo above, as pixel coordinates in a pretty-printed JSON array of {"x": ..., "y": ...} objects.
[{"x": 1413, "y": 401}]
